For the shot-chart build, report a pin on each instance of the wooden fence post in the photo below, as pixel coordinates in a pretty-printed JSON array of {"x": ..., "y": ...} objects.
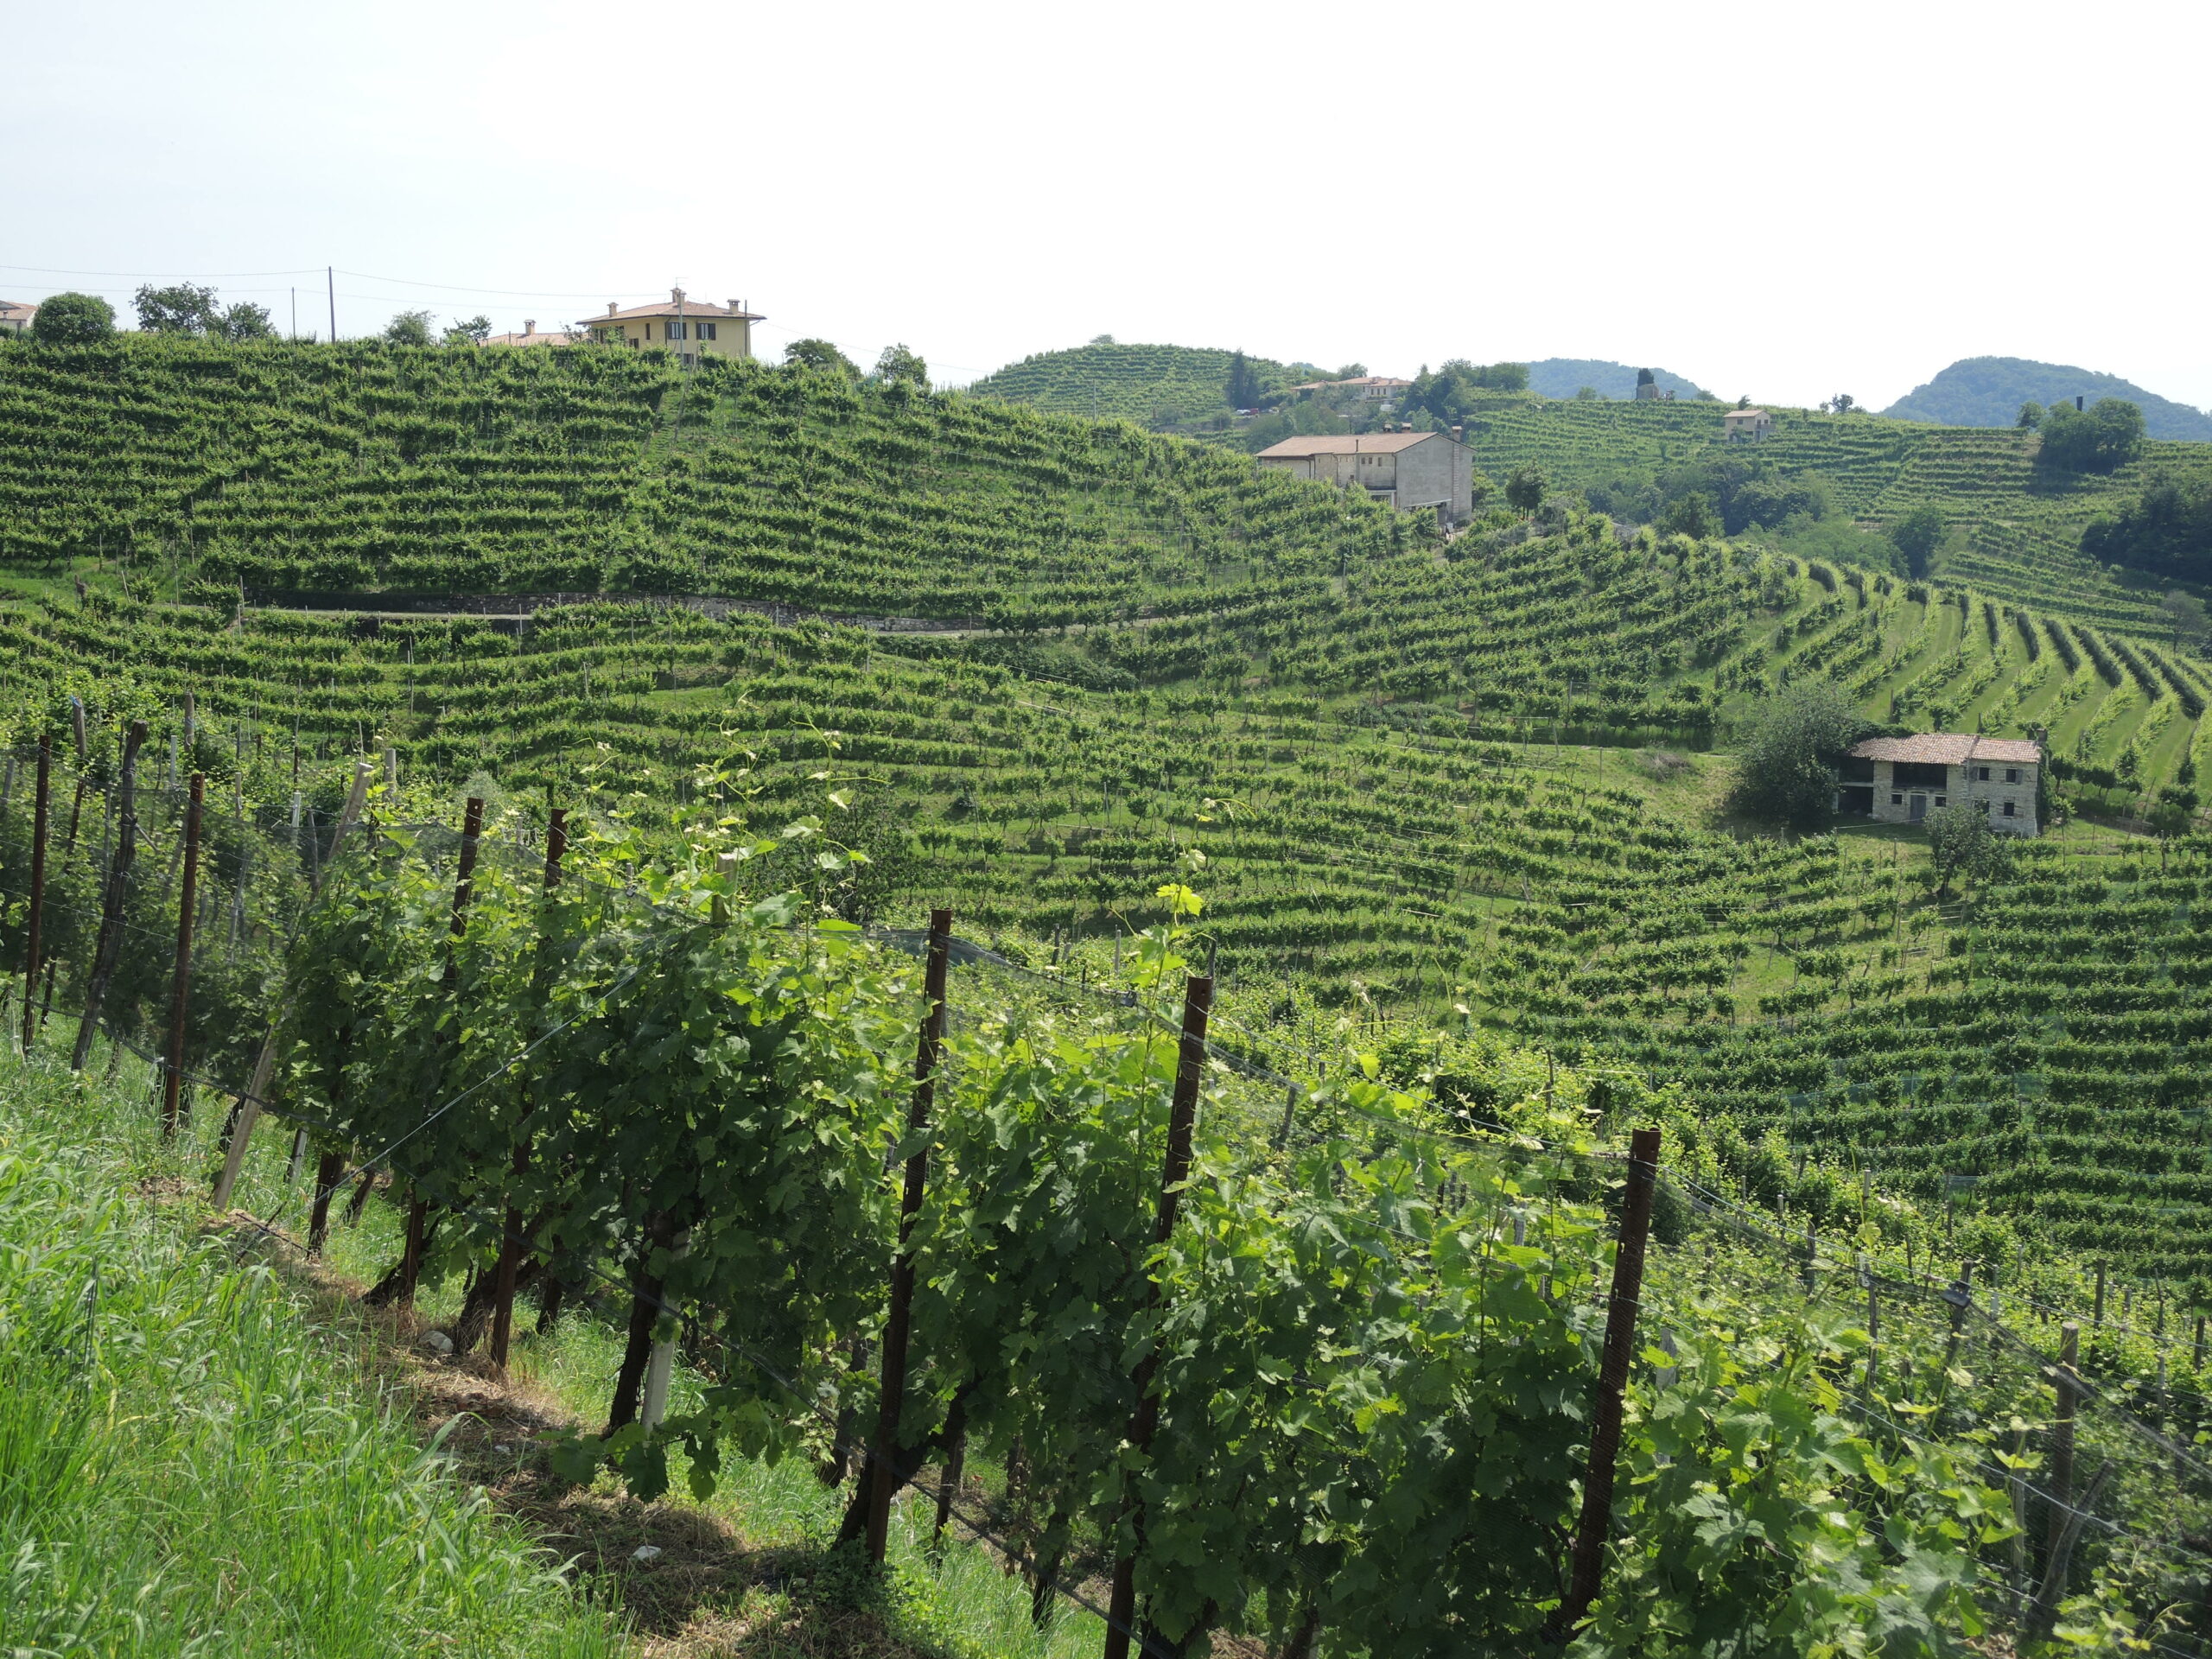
[
  {"x": 38, "y": 890},
  {"x": 180, "y": 981},
  {"x": 464, "y": 889},
  {"x": 511, "y": 1239},
  {"x": 1144, "y": 1422},
  {"x": 108, "y": 947},
  {"x": 264, "y": 1065},
  {"x": 883, "y": 1472},
  {"x": 1596, "y": 1521},
  {"x": 2061, "y": 1440}
]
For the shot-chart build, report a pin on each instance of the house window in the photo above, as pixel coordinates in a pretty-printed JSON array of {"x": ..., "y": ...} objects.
[
  {"x": 1897, "y": 800},
  {"x": 2012, "y": 809},
  {"x": 1981, "y": 774},
  {"x": 1939, "y": 800},
  {"x": 706, "y": 331},
  {"x": 676, "y": 330},
  {"x": 2011, "y": 774}
]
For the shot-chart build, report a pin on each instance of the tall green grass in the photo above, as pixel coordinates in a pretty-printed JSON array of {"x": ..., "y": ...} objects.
[{"x": 189, "y": 1464}]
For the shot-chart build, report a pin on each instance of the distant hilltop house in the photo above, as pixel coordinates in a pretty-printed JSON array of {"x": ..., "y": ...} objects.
[
  {"x": 1899, "y": 779},
  {"x": 693, "y": 328},
  {"x": 530, "y": 336},
  {"x": 16, "y": 315},
  {"x": 1746, "y": 425},
  {"x": 1372, "y": 388},
  {"x": 1411, "y": 472}
]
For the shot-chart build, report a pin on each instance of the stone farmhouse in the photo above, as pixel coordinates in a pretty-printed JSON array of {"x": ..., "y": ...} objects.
[
  {"x": 691, "y": 329},
  {"x": 1746, "y": 425},
  {"x": 1411, "y": 472},
  {"x": 1372, "y": 388},
  {"x": 16, "y": 315},
  {"x": 1902, "y": 780}
]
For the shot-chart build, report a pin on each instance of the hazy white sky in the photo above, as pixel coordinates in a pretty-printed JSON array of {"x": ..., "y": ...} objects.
[{"x": 1779, "y": 199}]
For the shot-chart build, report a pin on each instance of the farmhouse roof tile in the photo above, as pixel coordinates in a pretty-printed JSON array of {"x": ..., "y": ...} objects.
[
  {"x": 1950, "y": 749},
  {"x": 13, "y": 309},
  {"x": 1367, "y": 443},
  {"x": 668, "y": 308}
]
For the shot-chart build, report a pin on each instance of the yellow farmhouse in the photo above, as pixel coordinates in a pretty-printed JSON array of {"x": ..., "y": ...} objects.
[{"x": 692, "y": 328}]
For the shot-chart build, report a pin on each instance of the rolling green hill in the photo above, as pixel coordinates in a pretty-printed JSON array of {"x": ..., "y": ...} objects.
[
  {"x": 1155, "y": 386},
  {"x": 1562, "y": 377},
  {"x": 1989, "y": 390},
  {"x": 1384, "y": 752},
  {"x": 2015, "y": 528}
]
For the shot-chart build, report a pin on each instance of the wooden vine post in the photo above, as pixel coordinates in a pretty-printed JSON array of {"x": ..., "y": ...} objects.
[
  {"x": 883, "y": 1472},
  {"x": 511, "y": 1240},
  {"x": 1144, "y": 1422},
  {"x": 264, "y": 1065},
  {"x": 2061, "y": 1440},
  {"x": 464, "y": 888},
  {"x": 181, "y": 980},
  {"x": 38, "y": 890},
  {"x": 107, "y": 949},
  {"x": 1587, "y": 1576}
]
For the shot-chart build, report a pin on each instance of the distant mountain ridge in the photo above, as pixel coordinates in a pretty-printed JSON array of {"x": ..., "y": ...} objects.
[
  {"x": 1989, "y": 390},
  {"x": 1562, "y": 377}
]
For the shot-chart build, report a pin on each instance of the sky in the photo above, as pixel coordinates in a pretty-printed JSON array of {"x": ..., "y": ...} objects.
[{"x": 1782, "y": 202}]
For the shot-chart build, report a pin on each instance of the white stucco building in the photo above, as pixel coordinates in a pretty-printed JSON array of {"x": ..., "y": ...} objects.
[{"x": 1902, "y": 779}]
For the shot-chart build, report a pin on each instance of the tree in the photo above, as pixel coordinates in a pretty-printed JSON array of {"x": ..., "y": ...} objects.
[
  {"x": 180, "y": 308},
  {"x": 1744, "y": 402},
  {"x": 1843, "y": 403},
  {"x": 1524, "y": 489},
  {"x": 470, "y": 331},
  {"x": 72, "y": 320},
  {"x": 183, "y": 309},
  {"x": 1587, "y": 395},
  {"x": 1786, "y": 771},
  {"x": 820, "y": 354},
  {"x": 2186, "y": 613},
  {"x": 1644, "y": 377},
  {"x": 2167, "y": 531},
  {"x": 1242, "y": 389},
  {"x": 1350, "y": 371},
  {"x": 1692, "y": 515},
  {"x": 1102, "y": 339},
  {"x": 1918, "y": 535},
  {"x": 902, "y": 365},
  {"x": 2098, "y": 440},
  {"x": 242, "y": 319},
  {"x": 408, "y": 328},
  {"x": 1961, "y": 842},
  {"x": 2031, "y": 416}
]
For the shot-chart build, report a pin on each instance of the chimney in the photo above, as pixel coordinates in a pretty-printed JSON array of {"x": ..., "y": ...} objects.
[
  {"x": 1458, "y": 434},
  {"x": 530, "y": 327},
  {"x": 610, "y": 308},
  {"x": 676, "y": 297},
  {"x": 737, "y": 306}
]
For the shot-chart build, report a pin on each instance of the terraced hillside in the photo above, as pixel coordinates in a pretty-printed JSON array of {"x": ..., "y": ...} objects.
[
  {"x": 2021, "y": 526},
  {"x": 1155, "y": 386},
  {"x": 362, "y": 468},
  {"x": 1411, "y": 776}
]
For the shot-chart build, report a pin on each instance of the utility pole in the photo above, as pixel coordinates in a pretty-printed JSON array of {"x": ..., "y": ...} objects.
[
  {"x": 330, "y": 279},
  {"x": 296, "y": 310}
]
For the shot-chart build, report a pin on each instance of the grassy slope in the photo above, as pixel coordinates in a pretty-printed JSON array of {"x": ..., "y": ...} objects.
[{"x": 191, "y": 1464}]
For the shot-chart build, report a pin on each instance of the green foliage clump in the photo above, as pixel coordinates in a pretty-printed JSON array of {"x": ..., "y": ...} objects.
[
  {"x": 1786, "y": 772},
  {"x": 2100, "y": 439},
  {"x": 72, "y": 320},
  {"x": 2167, "y": 531}
]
